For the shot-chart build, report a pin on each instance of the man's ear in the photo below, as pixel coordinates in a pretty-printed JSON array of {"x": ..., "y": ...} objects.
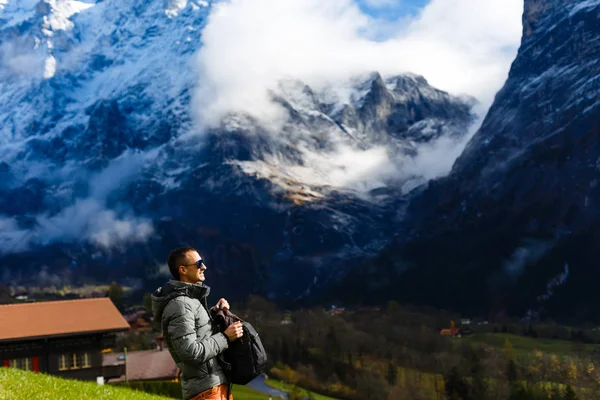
[{"x": 181, "y": 270}]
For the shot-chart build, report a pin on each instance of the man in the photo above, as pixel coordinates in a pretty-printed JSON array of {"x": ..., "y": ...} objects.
[{"x": 181, "y": 308}]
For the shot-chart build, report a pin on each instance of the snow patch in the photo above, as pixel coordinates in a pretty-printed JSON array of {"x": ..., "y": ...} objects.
[
  {"x": 49, "y": 67},
  {"x": 62, "y": 11},
  {"x": 174, "y": 7},
  {"x": 584, "y": 5},
  {"x": 13, "y": 14},
  {"x": 557, "y": 281}
]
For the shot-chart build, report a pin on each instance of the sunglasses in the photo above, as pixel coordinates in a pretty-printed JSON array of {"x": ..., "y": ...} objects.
[{"x": 197, "y": 264}]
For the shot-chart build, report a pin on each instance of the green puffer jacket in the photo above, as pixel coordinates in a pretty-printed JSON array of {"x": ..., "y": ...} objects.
[{"x": 182, "y": 311}]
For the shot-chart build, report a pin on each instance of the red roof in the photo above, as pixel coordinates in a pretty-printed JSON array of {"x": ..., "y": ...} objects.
[
  {"x": 58, "y": 318},
  {"x": 451, "y": 331},
  {"x": 144, "y": 365}
]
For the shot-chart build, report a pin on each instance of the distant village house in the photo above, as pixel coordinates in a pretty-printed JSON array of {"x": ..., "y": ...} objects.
[
  {"x": 144, "y": 365},
  {"x": 453, "y": 331},
  {"x": 64, "y": 338}
]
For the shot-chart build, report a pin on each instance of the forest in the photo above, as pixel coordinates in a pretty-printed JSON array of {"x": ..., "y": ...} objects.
[{"x": 399, "y": 352}]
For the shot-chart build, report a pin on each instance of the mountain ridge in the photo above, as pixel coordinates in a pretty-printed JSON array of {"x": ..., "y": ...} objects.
[{"x": 107, "y": 168}]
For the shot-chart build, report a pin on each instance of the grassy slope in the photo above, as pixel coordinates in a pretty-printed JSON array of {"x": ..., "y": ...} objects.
[
  {"x": 245, "y": 393},
  {"x": 21, "y": 385},
  {"x": 288, "y": 388}
]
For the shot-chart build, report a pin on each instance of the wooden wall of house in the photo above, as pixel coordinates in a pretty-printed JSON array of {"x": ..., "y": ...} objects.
[
  {"x": 34, "y": 350},
  {"x": 47, "y": 354}
]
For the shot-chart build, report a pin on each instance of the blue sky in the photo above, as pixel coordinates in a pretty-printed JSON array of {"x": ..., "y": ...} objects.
[{"x": 391, "y": 10}]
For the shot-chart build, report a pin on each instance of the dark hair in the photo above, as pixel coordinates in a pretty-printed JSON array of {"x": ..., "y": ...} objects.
[{"x": 177, "y": 258}]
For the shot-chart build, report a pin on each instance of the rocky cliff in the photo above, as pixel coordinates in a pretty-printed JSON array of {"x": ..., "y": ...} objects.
[{"x": 519, "y": 212}]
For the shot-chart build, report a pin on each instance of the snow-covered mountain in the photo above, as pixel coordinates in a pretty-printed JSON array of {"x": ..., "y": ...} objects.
[
  {"x": 104, "y": 166},
  {"x": 514, "y": 226}
]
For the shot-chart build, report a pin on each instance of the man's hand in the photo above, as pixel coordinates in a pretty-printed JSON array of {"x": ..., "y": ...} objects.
[
  {"x": 222, "y": 304},
  {"x": 234, "y": 331}
]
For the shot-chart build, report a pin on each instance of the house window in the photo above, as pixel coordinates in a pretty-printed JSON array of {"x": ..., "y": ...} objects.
[
  {"x": 63, "y": 362},
  {"x": 85, "y": 360},
  {"x": 74, "y": 361},
  {"x": 21, "y": 363}
]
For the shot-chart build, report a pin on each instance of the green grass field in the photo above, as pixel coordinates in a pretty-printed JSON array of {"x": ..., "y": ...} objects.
[
  {"x": 523, "y": 344},
  {"x": 21, "y": 385},
  {"x": 245, "y": 393},
  {"x": 288, "y": 388}
]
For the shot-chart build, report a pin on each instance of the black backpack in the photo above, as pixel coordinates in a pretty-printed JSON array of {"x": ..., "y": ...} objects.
[{"x": 245, "y": 357}]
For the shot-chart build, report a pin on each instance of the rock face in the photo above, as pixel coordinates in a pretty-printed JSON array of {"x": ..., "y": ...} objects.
[
  {"x": 521, "y": 207},
  {"x": 102, "y": 172}
]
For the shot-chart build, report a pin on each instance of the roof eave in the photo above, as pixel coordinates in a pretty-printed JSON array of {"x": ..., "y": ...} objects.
[{"x": 61, "y": 335}]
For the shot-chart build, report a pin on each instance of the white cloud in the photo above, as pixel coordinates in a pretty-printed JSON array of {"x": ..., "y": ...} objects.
[
  {"x": 18, "y": 59},
  {"x": 109, "y": 231},
  {"x": 435, "y": 159},
  {"x": 12, "y": 238},
  {"x": 86, "y": 219},
  {"x": 462, "y": 46},
  {"x": 359, "y": 170}
]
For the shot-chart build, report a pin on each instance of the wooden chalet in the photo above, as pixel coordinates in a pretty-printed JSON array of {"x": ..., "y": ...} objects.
[{"x": 64, "y": 338}]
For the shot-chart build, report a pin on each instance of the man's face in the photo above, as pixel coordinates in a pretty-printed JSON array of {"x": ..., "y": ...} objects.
[{"x": 190, "y": 272}]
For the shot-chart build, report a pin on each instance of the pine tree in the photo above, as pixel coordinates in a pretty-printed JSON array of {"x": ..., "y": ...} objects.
[
  {"x": 333, "y": 348},
  {"x": 456, "y": 387},
  {"x": 511, "y": 371},
  {"x": 392, "y": 373},
  {"x": 570, "y": 393},
  {"x": 555, "y": 393},
  {"x": 147, "y": 301},
  {"x": 479, "y": 388},
  {"x": 116, "y": 295},
  {"x": 511, "y": 365}
]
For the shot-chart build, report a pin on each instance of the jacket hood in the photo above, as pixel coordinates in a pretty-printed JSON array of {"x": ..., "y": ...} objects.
[{"x": 172, "y": 289}]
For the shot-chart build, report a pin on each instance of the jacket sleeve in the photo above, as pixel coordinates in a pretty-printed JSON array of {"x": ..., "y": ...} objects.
[{"x": 181, "y": 330}]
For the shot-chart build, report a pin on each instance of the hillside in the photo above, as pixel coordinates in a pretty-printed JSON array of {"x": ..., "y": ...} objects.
[{"x": 21, "y": 385}]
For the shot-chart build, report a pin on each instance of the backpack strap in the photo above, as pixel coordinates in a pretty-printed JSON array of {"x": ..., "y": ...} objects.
[
  {"x": 229, "y": 388},
  {"x": 222, "y": 319}
]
